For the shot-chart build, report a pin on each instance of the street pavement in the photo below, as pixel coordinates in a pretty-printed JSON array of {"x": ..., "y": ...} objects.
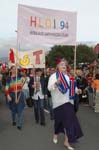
[{"x": 36, "y": 137}]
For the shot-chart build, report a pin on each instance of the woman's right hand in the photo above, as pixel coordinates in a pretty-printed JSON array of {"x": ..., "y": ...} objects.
[
  {"x": 9, "y": 98},
  {"x": 58, "y": 81}
]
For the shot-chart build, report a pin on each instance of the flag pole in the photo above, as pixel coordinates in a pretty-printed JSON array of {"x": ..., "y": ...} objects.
[
  {"x": 17, "y": 46},
  {"x": 75, "y": 49},
  {"x": 75, "y": 59}
]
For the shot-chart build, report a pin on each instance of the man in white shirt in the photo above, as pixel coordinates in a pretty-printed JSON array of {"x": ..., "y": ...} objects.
[{"x": 39, "y": 88}]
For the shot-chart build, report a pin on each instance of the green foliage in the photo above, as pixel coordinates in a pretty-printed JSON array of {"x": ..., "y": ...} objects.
[
  {"x": 60, "y": 52},
  {"x": 84, "y": 54}
]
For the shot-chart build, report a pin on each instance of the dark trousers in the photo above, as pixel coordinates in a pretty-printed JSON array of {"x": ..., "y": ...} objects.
[
  {"x": 50, "y": 107},
  {"x": 17, "y": 109},
  {"x": 19, "y": 114},
  {"x": 76, "y": 103},
  {"x": 39, "y": 111}
]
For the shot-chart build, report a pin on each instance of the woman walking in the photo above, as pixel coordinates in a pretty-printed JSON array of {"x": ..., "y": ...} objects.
[
  {"x": 16, "y": 105},
  {"x": 62, "y": 90}
]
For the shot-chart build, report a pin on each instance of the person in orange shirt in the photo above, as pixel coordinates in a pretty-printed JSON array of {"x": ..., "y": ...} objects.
[
  {"x": 96, "y": 82},
  {"x": 96, "y": 87}
]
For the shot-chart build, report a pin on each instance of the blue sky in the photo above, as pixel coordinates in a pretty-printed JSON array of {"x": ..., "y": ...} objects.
[{"x": 87, "y": 18}]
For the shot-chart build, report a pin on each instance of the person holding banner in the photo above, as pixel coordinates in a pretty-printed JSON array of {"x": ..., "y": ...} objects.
[
  {"x": 16, "y": 105},
  {"x": 37, "y": 83},
  {"x": 63, "y": 89}
]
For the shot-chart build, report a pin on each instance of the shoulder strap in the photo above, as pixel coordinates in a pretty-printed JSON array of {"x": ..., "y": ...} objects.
[{"x": 24, "y": 82}]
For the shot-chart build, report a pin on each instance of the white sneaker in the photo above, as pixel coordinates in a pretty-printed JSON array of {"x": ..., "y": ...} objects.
[
  {"x": 69, "y": 147},
  {"x": 45, "y": 110},
  {"x": 55, "y": 141}
]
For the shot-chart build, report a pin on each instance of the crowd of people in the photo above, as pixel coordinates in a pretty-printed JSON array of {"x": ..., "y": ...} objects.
[{"x": 58, "y": 91}]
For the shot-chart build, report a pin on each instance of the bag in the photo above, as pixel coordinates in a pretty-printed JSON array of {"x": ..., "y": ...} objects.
[
  {"x": 29, "y": 102},
  {"x": 76, "y": 103}
]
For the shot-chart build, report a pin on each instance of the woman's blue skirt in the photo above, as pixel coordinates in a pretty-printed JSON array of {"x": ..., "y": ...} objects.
[{"x": 66, "y": 122}]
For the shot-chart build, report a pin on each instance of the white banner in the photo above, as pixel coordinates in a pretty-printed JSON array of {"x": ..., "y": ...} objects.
[
  {"x": 29, "y": 59},
  {"x": 46, "y": 26}
]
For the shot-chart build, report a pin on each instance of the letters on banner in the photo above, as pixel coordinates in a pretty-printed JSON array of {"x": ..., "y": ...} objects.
[
  {"x": 27, "y": 59},
  {"x": 46, "y": 26}
]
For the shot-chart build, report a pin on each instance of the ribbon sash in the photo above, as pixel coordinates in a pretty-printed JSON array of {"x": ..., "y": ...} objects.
[
  {"x": 72, "y": 88},
  {"x": 63, "y": 86}
]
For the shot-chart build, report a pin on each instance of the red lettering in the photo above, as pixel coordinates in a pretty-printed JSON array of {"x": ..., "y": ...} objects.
[
  {"x": 37, "y": 55},
  {"x": 32, "y": 21}
]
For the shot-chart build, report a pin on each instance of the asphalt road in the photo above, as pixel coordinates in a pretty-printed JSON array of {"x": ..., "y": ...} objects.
[{"x": 35, "y": 137}]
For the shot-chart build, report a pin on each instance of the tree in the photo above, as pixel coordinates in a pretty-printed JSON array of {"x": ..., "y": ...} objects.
[
  {"x": 60, "y": 52},
  {"x": 84, "y": 54}
]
